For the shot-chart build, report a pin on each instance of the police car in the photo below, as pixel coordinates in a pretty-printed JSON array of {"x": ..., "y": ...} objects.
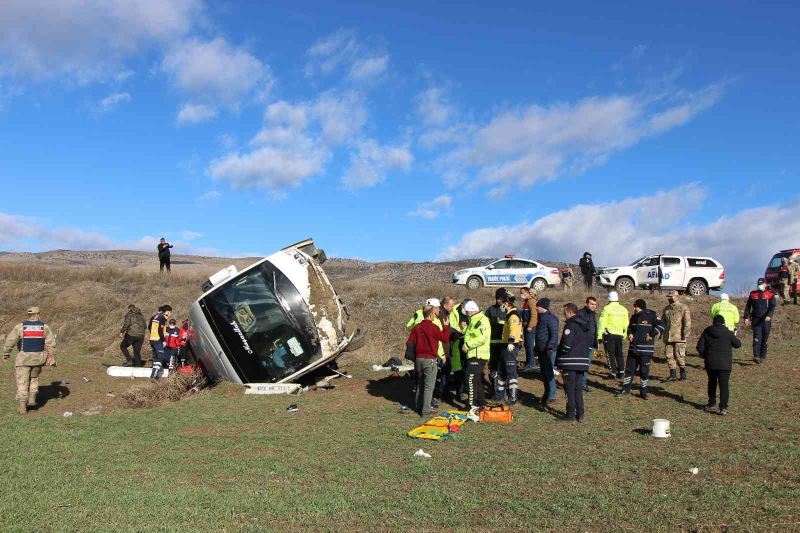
[{"x": 509, "y": 271}]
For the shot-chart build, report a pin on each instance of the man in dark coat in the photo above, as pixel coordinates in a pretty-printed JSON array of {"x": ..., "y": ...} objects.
[
  {"x": 546, "y": 344},
  {"x": 758, "y": 313},
  {"x": 716, "y": 348},
  {"x": 589, "y": 314},
  {"x": 587, "y": 269},
  {"x": 132, "y": 332},
  {"x": 164, "y": 255},
  {"x": 573, "y": 360},
  {"x": 643, "y": 329}
]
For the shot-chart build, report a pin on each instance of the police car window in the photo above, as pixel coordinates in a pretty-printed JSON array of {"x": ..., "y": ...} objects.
[
  {"x": 695, "y": 262},
  {"x": 670, "y": 261},
  {"x": 522, "y": 264},
  {"x": 502, "y": 264}
]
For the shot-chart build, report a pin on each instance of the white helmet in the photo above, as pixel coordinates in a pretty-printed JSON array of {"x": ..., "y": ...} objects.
[
  {"x": 613, "y": 296},
  {"x": 433, "y": 302},
  {"x": 724, "y": 296},
  {"x": 471, "y": 307}
]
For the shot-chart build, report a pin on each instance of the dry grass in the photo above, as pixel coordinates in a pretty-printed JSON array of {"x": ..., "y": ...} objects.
[{"x": 170, "y": 389}]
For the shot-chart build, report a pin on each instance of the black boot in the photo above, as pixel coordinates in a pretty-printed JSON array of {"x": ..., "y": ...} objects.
[
  {"x": 673, "y": 375},
  {"x": 683, "y": 374},
  {"x": 643, "y": 394},
  {"x": 624, "y": 392}
]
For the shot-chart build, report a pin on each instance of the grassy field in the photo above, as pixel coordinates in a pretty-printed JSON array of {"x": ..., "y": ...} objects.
[{"x": 223, "y": 461}]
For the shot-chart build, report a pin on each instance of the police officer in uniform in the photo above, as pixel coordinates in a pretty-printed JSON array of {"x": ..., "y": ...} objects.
[
  {"x": 643, "y": 329},
  {"x": 611, "y": 330},
  {"x": 758, "y": 313},
  {"x": 36, "y": 344},
  {"x": 497, "y": 319}
]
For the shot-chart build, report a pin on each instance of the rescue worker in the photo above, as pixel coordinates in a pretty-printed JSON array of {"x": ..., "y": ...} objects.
[
  {"x": 758, "y": 313},
  {"x": 587, "y": 269},
  {"x": 184, "y": 341},
  {"x": 36, "y": 344},
  {"x": 172, "y": 343},
  {"x": 529, "y": 318},
  {"x": 476, "y": 348},
  {"x": 589, "y": 313},
  {"x": 643, "y": 329},
  {"x": 418, "y": 317},
  {"x": 132, "y": 332},
  {"x": 157, "y": 342},
  {"x": 611, "y": 327},
  {"x": 546, "y": 345},
  {"x": 507, "y": 378},
  {"x": 164, "y": 255},
  {"x": 567, "y": 278},
  {"x": 573, "y": 360},
  {"x": 784, "y": 282},
  {"x": 794, "y": 276},
  {"x": 677, "y": 326},
  {"x": 458, "y": 322},
  {"x": 728, "y": 310},
  {"x": 497, "y": 318},
  {"x": 444, "y": 361},
  {"x": 425, "y": 339},
  {"x": 716, "y": 346}
]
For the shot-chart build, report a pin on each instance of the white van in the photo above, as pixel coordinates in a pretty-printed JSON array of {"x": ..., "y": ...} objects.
[{"x": 693, "y": 274}]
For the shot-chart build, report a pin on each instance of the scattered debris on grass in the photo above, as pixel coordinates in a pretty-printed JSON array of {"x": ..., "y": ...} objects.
[
  {"x": 292, "y": 408},
  {"x": 694, "y": 471},
  {"x": 67, "y": 414},
  {"x": 422, "y": 453},
  {"x": 169, "y": 389}
]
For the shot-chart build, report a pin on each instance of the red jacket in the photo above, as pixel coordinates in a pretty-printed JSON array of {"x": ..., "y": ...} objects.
[
  {"x": 183, "y": 336},
  {"x": 426, "y": 337},
  {"x": 172, "y": 337}
]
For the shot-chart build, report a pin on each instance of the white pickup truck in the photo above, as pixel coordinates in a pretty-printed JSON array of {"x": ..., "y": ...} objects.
[{"x": 694, "y": 275}]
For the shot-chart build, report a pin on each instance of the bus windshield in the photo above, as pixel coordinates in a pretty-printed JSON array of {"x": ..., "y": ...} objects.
[{"x": 266, "y": 340}]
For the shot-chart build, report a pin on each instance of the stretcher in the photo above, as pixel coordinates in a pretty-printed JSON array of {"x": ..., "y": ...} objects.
[{"x": 440, "y": 427}]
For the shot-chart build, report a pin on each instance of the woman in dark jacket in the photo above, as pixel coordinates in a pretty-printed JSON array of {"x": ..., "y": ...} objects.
[{"x": 716, "y": 348}]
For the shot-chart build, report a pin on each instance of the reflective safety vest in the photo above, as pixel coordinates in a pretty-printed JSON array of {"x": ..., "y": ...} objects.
[
  {"x": 156, "y": 323},
  {"x": 728, "y": 311},
  {"x": 613, "y": 320},
  {"x": 32, "y": 340},
  {"x": 512, "y": 329},
  {"x": 455, "y": 347},
  {"x": 478, "y": 337}
]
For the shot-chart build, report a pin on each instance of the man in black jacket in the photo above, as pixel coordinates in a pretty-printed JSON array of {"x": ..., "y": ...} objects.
[
  {"x": 163, "y": 255},
  {"x": 497, "y": 318},
  {"x": 573, "y": 360},
  {"x": 758, "y": 313},
  {"x": 716, "y": 348},
  {"x": 643, "y": 328},
  {"x": 587, "y": 269},
  {"x": 589, "y": 314}
]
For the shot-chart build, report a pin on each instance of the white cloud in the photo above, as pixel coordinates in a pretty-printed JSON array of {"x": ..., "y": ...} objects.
[
  {"x": 521, "y": 147},
  {"x": 194, "y": 113},
  {"x": 340, "y": 116},
  {"x": 215, "y": 72},
  {"x": 85, "y": 41},
  {"x": 110, "y": 102},
  {"x": 433, "y": 107},
  {"x": 207, "y": 196},
  {"x": 371, "y": 162},
  {"x": 433, "y": 208},
  {"x": 188, "y": 235},
  {"x": 619, "y": 232},
  {"x": 343, "y": 50}
]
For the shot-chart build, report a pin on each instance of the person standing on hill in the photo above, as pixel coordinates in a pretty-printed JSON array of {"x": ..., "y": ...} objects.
[
  {"x": 567, "y": 277},
  {"x": 677, "y": 326},
  {"x": 475, "y": 347},
  {"x": 729, "y": 311},
  {"x": 529, "y": 318},
  {"x": 716, "y": 348},
  {"x": 643, "y": 329},
  {"x": 573, "y": 360},
  {"x": 497, "y": 318},
  {"x": 758, "y": 313},
  {"x": 132, "y": 332},
  {"x": 546, "y": 345},
  {"x": 587, "y": 269},
  {"x": 611, "y": 327},
  {"x": 164, "y": 255},
  {"x": 36, "y": 344}
]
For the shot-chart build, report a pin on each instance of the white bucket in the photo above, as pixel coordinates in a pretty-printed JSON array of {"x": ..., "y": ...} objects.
[{"x": 661, "y": 428}]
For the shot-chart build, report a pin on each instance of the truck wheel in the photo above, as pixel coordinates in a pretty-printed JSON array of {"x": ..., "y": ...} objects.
[
  {"x": 539, "y": 284},
  {"x": 624, "y": 285},
  {"x": 474, "y": 283},
  {"x": 697, "y": 287}
]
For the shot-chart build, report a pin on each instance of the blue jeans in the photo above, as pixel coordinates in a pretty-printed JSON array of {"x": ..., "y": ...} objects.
[
  {"x": 546, "y": 364},
  {"x": 530, "y": 342}
]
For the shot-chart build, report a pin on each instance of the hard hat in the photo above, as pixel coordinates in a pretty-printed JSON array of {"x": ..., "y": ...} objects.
[
  {"x": 33, "y": 310},
  {"x": 724, "y": 296},
  {"x": 433, "y": 302},
  {"x": 471, "y": 307},
  {"x": 613, "y": 296}
]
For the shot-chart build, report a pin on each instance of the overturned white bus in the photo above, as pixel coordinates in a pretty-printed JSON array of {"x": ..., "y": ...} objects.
[{"x": 273, "y": 322}]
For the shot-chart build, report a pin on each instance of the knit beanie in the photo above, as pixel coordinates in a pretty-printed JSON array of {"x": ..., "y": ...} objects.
[{"x": 544, "y": 303}]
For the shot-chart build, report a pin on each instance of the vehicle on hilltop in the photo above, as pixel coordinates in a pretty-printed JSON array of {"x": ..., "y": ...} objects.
[
  {"x": 693, "y": 274},
  {"x": 509, "y": 271},
  {"x": 774, "y": 268}
]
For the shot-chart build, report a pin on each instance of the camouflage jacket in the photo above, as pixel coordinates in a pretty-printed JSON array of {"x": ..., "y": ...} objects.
[
  {"x": 134, "y": 323},
  {"x": 677, "y": 322},
  {"x": 30, "y": 358}
]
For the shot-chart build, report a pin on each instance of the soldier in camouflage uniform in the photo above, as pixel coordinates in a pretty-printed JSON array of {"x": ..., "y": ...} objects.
[
  {"x": 794, "y": 275},
  {"x": 677, "y": 325},
  {"x": 36, "y": 344}
]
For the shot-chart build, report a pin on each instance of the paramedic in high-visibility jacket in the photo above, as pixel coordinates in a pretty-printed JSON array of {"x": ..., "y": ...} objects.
[
  {"x": 36, "y": 344},
  {"x": 477, "y": 339}
]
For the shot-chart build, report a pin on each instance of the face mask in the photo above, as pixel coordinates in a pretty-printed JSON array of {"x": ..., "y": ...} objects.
[{"x": 762, "y": 287}]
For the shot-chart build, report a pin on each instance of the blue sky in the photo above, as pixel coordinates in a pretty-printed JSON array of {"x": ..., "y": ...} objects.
[{"x": 418, "y": 132}]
